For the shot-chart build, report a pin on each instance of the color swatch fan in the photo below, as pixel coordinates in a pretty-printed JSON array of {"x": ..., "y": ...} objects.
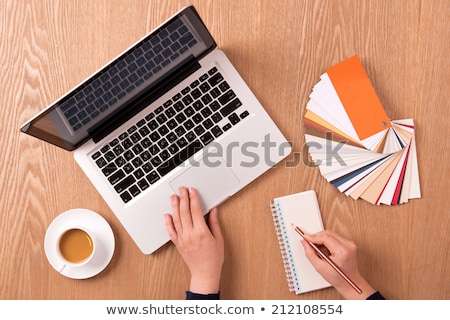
[{"x": 356, "y": 146}]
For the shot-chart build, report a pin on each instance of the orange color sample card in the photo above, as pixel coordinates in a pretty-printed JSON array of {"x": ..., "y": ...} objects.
[{"x": 358, "y": 97}]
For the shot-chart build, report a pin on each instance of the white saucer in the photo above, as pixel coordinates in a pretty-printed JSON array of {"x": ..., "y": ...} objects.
[{"x": 91, "y": 222}]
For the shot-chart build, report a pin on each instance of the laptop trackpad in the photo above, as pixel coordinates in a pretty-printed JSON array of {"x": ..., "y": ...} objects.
[{"x": 213, "y": 180}]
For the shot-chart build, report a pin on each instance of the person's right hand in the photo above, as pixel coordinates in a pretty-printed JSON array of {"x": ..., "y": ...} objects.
[{"x": 343, "y": 253}]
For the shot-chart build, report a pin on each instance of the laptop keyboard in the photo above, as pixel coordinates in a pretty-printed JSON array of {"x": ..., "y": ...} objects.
[
  {"x": 121, "y": 79},
  {"x": 171, "y": 134}
]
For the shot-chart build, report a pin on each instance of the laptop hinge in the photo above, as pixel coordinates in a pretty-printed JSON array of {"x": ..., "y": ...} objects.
[{"x": 134, "y": 106}]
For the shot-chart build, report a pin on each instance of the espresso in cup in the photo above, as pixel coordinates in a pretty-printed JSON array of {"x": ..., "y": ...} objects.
[{"x": 76, "y": 246}]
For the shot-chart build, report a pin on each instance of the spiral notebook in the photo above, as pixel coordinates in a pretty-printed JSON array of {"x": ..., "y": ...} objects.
[{"x": 301, "y": 209}]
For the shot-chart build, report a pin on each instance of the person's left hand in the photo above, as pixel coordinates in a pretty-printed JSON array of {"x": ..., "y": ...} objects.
[{"x": 201, "y": 247}]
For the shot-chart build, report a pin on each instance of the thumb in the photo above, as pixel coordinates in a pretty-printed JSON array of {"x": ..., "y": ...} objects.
[{"x": 214, "y": 224}]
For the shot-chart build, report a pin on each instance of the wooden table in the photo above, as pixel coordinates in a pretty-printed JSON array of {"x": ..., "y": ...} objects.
[{"x": 280, "y": 48}]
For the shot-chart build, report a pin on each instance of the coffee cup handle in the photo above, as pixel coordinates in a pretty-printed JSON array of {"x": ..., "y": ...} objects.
[{"x": 61, "y": 267}]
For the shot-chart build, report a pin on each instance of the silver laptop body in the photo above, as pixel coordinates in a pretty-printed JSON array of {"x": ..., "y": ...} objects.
[{"x": 170, "y": 111}]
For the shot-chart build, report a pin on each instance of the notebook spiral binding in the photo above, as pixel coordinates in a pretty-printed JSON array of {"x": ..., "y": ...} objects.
[{"x": 285, "y": 249}]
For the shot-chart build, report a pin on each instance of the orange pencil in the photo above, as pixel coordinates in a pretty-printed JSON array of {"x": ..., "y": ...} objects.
[{"x": 330, "y": 262}]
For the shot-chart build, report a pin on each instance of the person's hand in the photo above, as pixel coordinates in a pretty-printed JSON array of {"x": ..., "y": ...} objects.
[
  {"x": 201, "y": 247},
  {"x": 343, "y": 253}
]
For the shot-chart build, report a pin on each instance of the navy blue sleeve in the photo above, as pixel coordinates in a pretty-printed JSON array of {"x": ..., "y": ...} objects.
[
  {"x": 216, "y": 296},
  {"x": 376, "y": 296},
  {"x": 197, "y": 296}
]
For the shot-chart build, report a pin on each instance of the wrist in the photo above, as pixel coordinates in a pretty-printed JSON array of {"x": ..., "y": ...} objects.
[
  {"x": 349, "y": 293},
  {"x": 205, "y": 284}
]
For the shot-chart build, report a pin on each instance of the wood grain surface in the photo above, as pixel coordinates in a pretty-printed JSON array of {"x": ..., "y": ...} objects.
[{"x": 280, "y": 48}]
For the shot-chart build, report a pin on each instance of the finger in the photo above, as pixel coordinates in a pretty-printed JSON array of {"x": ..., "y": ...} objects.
[
  {"x": 336, "y": 244},
  {"x": 170, "y": 228},
  {"x": 327, "y": 239},
  {"x": 214, "y": 224},
  {"x": 175, "y": 203},
  {"x": 344, "y": 241},
  {"x": 185, "y": 209},
  {"x": 196, "y": 210}
]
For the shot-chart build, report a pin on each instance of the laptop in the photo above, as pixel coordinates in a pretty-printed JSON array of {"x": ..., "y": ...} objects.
[{"x": 170, "y": 111}]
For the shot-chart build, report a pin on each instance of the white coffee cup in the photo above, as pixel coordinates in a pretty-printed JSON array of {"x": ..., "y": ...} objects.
[{"x": 75, "y": 247}]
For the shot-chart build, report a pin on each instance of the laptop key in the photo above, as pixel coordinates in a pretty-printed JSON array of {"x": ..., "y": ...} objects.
[
  {"x": 96, "y": 155},
  {"x": 180, "y": 117},
  {"x": 234, "y": 118},
  {"x": 215, "y": 92},
  {"x": 131, "y": 129},
  {"x": 152, "y": 177},
  {"x": 194, "y": 84},
  {"x": 135, "y": 137},
  {"x": 116, "y": 177},
  {"x": 153, "y": 125},
  {"x": 182, "y": 142},
  {"x": 224, "y": 86},
  {"x": 101, "y": 162},
  {"x": 128, "y": 168},
  {"x": 77, "y": 127},
  {"x": 226, "y": 127},
  {"x": 206, "y": 99},
  {"x": 155, "y": 161},
  {"x": 188, "y": 124},
  {"x": 134, "y": 190},
  {"x": 207, "y": 138},
  {"x": 204, "y": 87},
  {"x": 139, "y": 173},
  {"x": 206, "y": 112},
  {"x": 163, "y": 130},
  {"x": 164, "y": 155},
  {"x": 118, "y": 149},
  {"x": 190, "y": 136},
  {"x": 176, "y": 97},
  {"x": 216, "y": 117},
  {"x": 227, "y": 97},
  {"x": 216, "y": 131},
  {"x": 179, "y": 158},
  {"x": 196, "y": 94},
  {"x": 173, "y": 148},
  {"x": 215, "y": 80},
  {"x": 197, "y": 118},
  {"x": 109, "y": 156},
  {"x": 180, "y": 131},
  {"x": 212, "y": 71},
  {"x": 229, "y": 108},
  {"x": 124, "y": 184},
  {"x": 73, "y": 111},
  {"x": 171, "y": 137},
  {"x": 208, "y": 123},
  {"x": 126, "y": 197},
  {"x": 128, "y": 155},
  {"x": 172, "y": 124},
  {"x": 147, "y": 167},
  {"x": 178, "y": 106},
  {"x": 140, "y": 123},
  {"x": 199, "y": 129},
  {"x": 244, "y": 114},
  {"x": 143, "y": 184},
  {"x": 146, "y": 142},
  {"x": 120, "y": 161},
  {"x": 137, "y": 162}
]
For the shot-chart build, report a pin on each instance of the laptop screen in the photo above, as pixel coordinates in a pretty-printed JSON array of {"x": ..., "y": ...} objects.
[{"x": 143, "y": 70}]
